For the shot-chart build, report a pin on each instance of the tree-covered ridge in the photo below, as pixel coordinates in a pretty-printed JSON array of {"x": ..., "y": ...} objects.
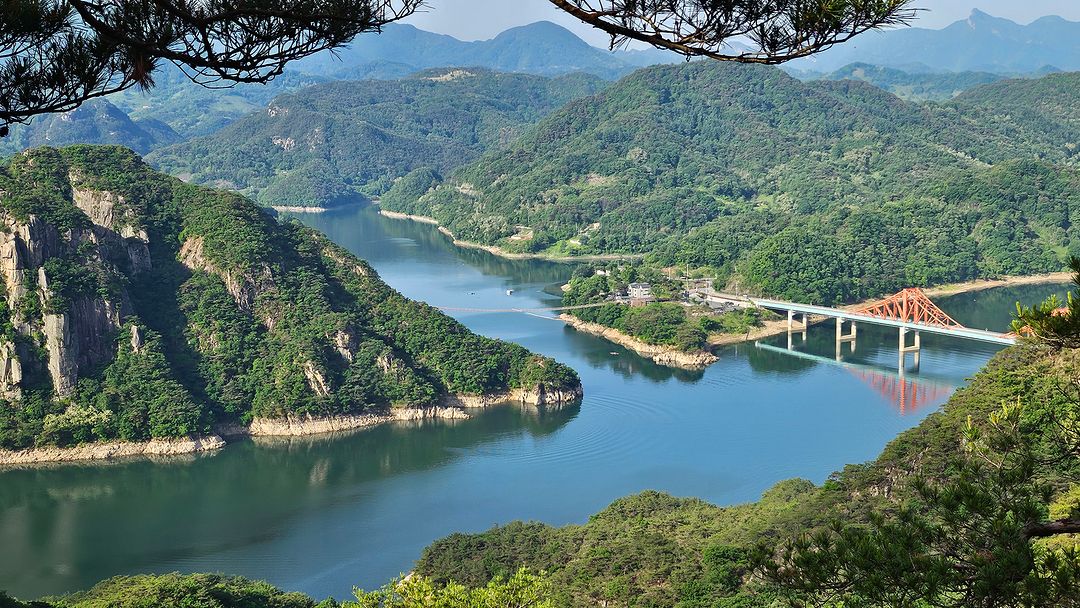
[
  {"x": 521, "y": 590},
  {"x": 823, "y": 191},
  {"x": 331, "y": 142},
  {"x": 98, "y": 122},
  {"x": 656, "y": 550},
  {"x": 140, "y": 307},
  {"x": 913, "y": 84}
]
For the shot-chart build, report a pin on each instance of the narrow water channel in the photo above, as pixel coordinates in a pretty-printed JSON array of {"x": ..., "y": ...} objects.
[{"x": 322, "y": 515}]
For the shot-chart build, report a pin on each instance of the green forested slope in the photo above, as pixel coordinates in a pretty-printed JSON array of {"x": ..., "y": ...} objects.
[
  {"x": 822, "y": 191},
  {"x": 137, "y": 306},
  {"x": 656, "y": 550},
  {"x": 330, "y": 142}
]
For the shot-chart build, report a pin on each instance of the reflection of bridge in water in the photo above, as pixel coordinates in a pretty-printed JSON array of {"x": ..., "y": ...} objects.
[
  {"x": 908, "y": 311},
  {"x": 907, "y": 393}
]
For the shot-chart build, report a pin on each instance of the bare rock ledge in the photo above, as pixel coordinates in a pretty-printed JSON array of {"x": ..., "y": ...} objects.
[
  {"x": 113, "y": 450},
  {"x": 661, "y": 355}
]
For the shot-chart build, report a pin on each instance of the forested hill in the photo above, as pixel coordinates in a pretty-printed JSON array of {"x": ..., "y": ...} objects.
[
  {"x": 139, "y": 307},
  {"x": 821, "y": 191},
  {"x": 331, "y": 142},
  {"x": 96, "y": 121}
]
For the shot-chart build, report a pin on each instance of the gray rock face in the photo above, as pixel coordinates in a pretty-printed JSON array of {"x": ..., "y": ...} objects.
[
  {"x": 115, "y": 226},
  {"x": 82, "y": 335},
  {"x": 78, "y": 339},
  {"x": 10, "y": 372}
]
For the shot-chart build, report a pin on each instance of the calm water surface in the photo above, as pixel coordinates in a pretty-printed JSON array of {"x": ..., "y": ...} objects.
[{"x": 322, "y": 515}]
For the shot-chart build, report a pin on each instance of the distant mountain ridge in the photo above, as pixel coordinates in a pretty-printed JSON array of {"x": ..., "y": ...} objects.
[
  {"x": 97, "y": 121},
  {"x": 541, "y": 48},
  {"x": 332, "y": 142},
  {"x": 981, "y": 42},
  {"x": 913, "y": 85}
]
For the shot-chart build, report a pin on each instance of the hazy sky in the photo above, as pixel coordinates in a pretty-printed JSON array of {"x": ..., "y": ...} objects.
[{"x": 481, "y": 19}]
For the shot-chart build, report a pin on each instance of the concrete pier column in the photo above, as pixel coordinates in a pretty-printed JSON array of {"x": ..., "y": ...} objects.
[
  {"x": 903, "y": 346},
  {"x": 790, "y": 320},
  {"x": 915, "y": 349},
  {"x": 805, "y": 326},
  {"x": 918, "y": 349},
  {"x": 841, "y": 337}
]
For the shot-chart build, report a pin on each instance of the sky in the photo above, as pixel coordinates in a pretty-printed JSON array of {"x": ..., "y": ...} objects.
[{"x": 483, "y": 19}]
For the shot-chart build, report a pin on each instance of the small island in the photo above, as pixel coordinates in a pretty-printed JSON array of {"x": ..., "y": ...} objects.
[{"x": 647, "y": 311}]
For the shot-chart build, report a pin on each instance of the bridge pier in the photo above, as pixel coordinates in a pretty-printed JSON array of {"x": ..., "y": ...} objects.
[
  {"x": 841, "y": 337},
  {"x": 915, "y": 349},
  {"x": 794, "y": 327}
]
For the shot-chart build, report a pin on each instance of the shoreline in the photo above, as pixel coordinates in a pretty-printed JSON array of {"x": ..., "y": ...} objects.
[
  {"x": 778, "y": 327},
  {"x": 499, "y": 251},
  {"x": 951, "y": 289},
  {"x": 450, "y": 407},
  {"x": 661, "y": 355},
  {"x": 287, "y": 209}
]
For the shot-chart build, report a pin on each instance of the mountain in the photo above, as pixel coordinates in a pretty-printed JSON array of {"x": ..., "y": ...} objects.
[
  {"x": 177, "y": 109},
  {"x": 539, "y": 48},
  {"x": 820, "y": 192},
  {"x": 981, "y": 43},
  {"x": 138, "y": 307},
  {"x": 96, "y": 122},
  {"x": 912, "y": 86},
  {"x": 193, "y": 110},
  {"x": 331, "y": 142}
]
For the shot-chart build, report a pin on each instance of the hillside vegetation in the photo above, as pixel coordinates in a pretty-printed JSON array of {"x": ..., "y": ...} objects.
[
  {"x": 332, "y": 142},
  {"x": 821, "y": 191},
  {"x": 523, "y": 589},
  {"x": 656, "y": 550},
  {"x": 139, "y": 307}
]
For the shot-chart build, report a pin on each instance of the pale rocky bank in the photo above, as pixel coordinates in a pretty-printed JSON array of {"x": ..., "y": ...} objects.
[
  {"x": 452, "y": 408},
  {"x": 661, "y": 355}
]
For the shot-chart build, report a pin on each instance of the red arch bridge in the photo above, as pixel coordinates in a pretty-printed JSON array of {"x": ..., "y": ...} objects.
[{"x": 910, "y": 311}]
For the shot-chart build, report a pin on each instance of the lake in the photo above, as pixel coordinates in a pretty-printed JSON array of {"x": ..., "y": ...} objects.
[{"x": 321, "y": 515}]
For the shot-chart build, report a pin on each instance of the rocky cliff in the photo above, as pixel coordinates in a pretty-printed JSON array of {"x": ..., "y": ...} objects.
[{"x": 136, "y": 307}]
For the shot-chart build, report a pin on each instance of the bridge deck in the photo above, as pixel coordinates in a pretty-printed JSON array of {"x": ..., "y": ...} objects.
[{"x": 837, "y": 313}]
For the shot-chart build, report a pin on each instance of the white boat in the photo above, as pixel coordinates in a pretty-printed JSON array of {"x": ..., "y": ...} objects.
[{"x": 509, "y": 292}]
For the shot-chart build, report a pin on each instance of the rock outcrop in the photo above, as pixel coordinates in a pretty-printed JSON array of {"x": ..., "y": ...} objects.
[
  {"x": 113, "y": 450},
  {"x": 300, "y": 426},
  {"x": 661, "y": 355},
  {"x": 80, "y": 336}
]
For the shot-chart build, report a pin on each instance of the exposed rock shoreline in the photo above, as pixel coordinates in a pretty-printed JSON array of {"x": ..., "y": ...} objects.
[
  {"x": 452, "y": 408},
  {"x": 661, "y": 355}
]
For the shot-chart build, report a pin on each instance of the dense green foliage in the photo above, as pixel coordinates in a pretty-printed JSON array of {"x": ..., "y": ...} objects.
[
  {"x": 318, "y": 146},
  {"x": 222, "y": 314},
  {"x": 520, "y": 590},
  {"x": 822, "y": 191},
  {"x": 655, "y": 550}
]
